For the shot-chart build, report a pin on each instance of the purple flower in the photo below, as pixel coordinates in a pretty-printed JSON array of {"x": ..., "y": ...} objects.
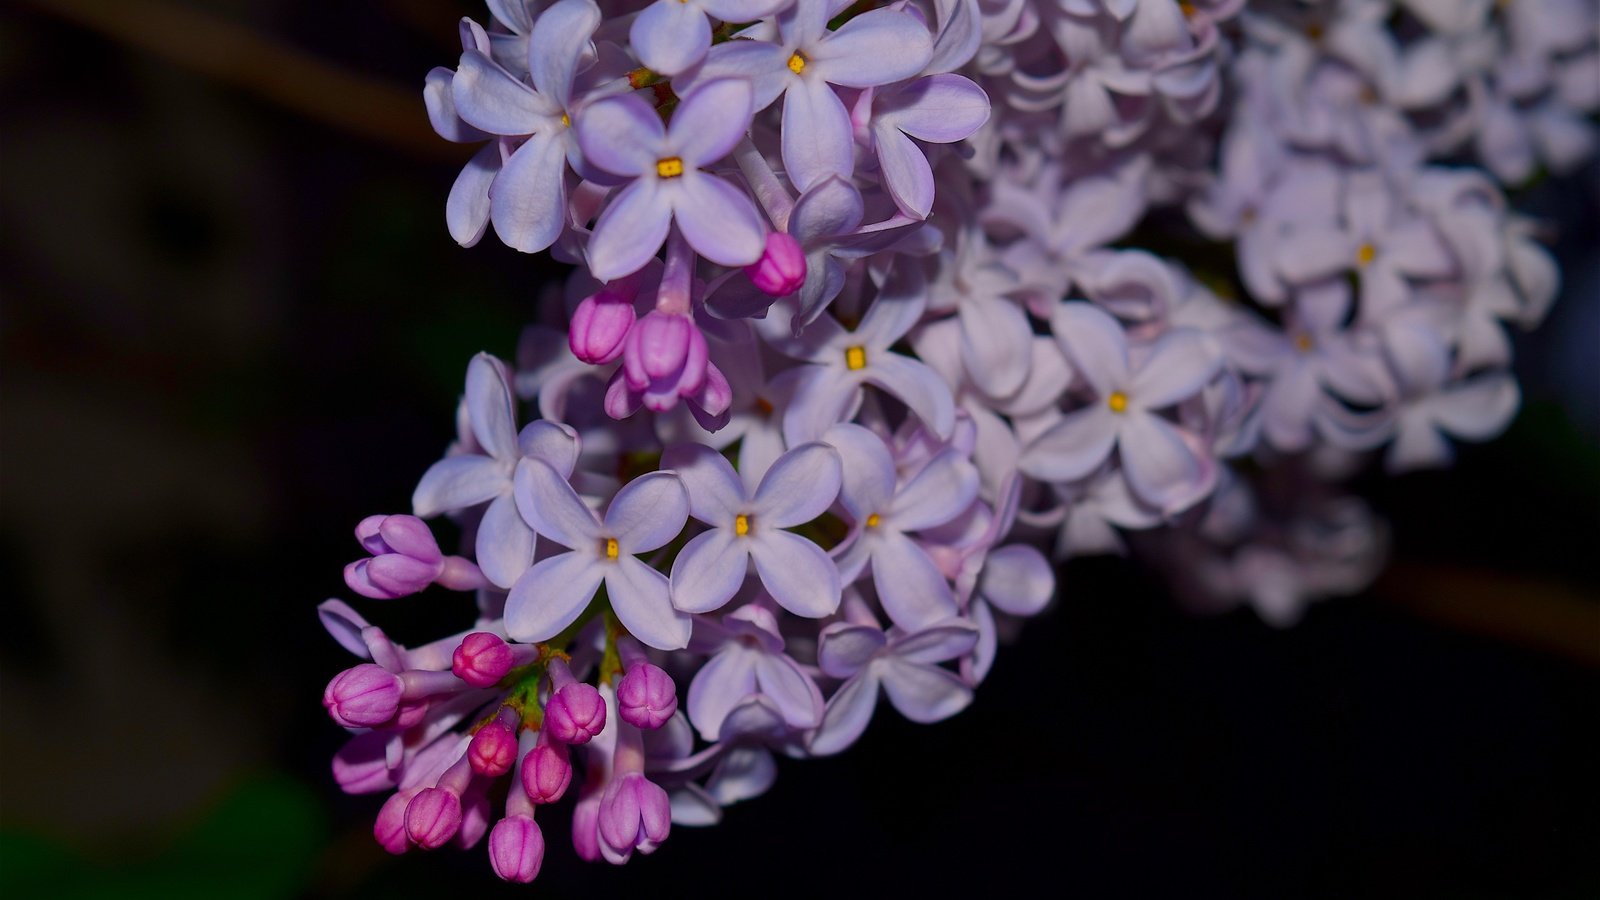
[
  {"x": 528, "y": 198},
  {"x": 877, "y": 47},
  {"x": 516, "y": 849},
  {"x": 672, "y": 35},
  {"x": 644, "y": 515},
  {"x": 842, "y": 362},
  {"x": 624, "y": 136},
  {"x": 749, "y": 527},
  {"x": 904, "y": 664},
  {"x": 405, "y": 559},
  {"x": 910, "y": 586},
  {"x": 1164, "y": 466},
  {"x": 504, "y": 542},
  {"x": 749, "y": 659},
  {"x": 940, "y": 109},
  {"x": 1434, "y": 405}
]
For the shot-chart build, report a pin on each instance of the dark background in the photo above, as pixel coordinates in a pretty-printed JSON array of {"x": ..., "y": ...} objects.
[{"x": 233, "y": 325}]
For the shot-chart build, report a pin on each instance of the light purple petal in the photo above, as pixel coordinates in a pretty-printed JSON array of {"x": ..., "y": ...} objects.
[
  {"x": 823, "y": 396},
  {"x": 924, "y": 693},
  {"x": 648, "y": 512},
  {"x": 670, "y": 36},
  {"x": 490, "y": 98},
  {"x": 937, "y": 643},
  {"x": 918, "y": 387},
  {"x": 553, "y": 442},
  {"x": 1161, "y": 467},
  {"x": 1095, "y": 343},
  {"x": 831, "y": 207},
  {"x": 718, "y": 220},
  {"x": 816, "y": 134},
  {"x": 551, "y": 595},
  {"x": 716, "y": 494},
  {"x": 710, "y": 121},
  {"x": 457, "y": 482},
  {"x": 912, "y": 590},
  {"x": 630, "y": 231},
  {"x": 466, "y": 210},
  {"x": 996, "y": 345},
  {"x": 437, "y": 97},
  {"x": 905, "y": 170},
  {"x": 846, "y": 715},
  {"x": 867, "y": 469},
  {"x": 504, "y": 544},
  {"x": 709, "y": 570},
  {"x": 763, "y": 65},
  {"x": 1073, "y": 447},
  {"x": 843, "y": 649},
  {"x": 742, "y": 772},
  {"x": 1018, "y": 579},
  {"x": 942, "y": 490},
  {"x": 1180, "y": 364},
  {"x": 797, "y": 573},
  {"x": 621, "y": 134},
  {"x": 721, "y": 683},
  {"x": 881, "y": 46},
  {"x": 556, "y": 44},
  {"x": 489, "y": 407},
  {"x": 642, "y": 601},
  {"x": 552, "y": 507},
  {"x": 528, "y": 199},
  {"x": 796, "y": 696},
  {"x": 1479, "y": 409},
  {"x": 941, "y": 109},
  {"x": 800, "y": 486}
]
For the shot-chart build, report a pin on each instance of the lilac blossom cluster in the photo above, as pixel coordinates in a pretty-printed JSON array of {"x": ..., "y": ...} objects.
[{"x": 798, "y": 430}]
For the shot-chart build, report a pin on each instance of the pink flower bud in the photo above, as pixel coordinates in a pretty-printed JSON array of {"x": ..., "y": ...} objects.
[
  {"x": 516, "y": 849},
  {"x": 405, "y": 558},
  {"x": 634, "y": 813},
  {"x": 658, "y": 348},
  {"x": 782, "y": 267},
  {"x": 546, "y": 772},
  {"x": 586, "y": 827},
  {"x": 390, "y": 826},
  {"x": 433, "y": 817},
  {"x": 600, "y": 326},
  {"x": 646, "y": 696},
  {"x": 493, "y": 750},
  {"x": 575, "y": 713},
  {"x": 482, "y": 659},
  {"x": 363, "y": 697}
]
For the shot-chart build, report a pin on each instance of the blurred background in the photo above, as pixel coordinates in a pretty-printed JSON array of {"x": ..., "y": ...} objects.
[{"x": 233, "y": 325}]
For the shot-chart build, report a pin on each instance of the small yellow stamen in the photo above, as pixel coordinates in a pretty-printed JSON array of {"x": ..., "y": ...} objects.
[
  {"x": 566, "y": 120},
  {"x": 1365, "y": 254},
  {"x": 873, "y": 520},
  {"x": 765, "y": 406},
  {"x": 611, "y": 549},
  {"x": 1187, "y": 8},
  {"x": 1302, "y": 343},
  {"x": 741, "y": 525},
  {"x": 1118, "y": 401},
  {"x": 671, "y": 167},
  {"x": 797, "y": 63},
  {"x": 855, "y": 358}
]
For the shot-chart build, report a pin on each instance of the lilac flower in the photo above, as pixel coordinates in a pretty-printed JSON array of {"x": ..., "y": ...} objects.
[
  {"x": 405, "y": 559},
  {"x": 1164, "y": 465},
  {"x": 746, "y": 658},
  {"x": 841, "y": 362},
  {"x": 644, "y": 515},
  {"x": 910, "y": 586},
  {"x": 1475, "y": 409},
  {"x": 877, "y": 47},
  {"x": 749, "y": 527},
  {"x": 624, "y": 136},
  {"x": 940, "y": 109},
  {"x": 527, "y": 199},
  {"x": 904, "y": 664}
]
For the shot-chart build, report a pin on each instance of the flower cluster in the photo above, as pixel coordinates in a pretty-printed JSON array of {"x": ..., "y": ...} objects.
[{"x": 854, "y": 329}]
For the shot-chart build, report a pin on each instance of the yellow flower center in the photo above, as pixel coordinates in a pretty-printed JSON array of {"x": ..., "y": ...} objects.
[
  {"x": 797, "y": 63},
  {"x": 741, "y": 525},
  {"x": 566, "y": 120},
  {"x": 873, "y": 520},
  {"x": 671, "y": 167},
  {"x": 1302, "y": 343},
  {"x": 610, "y": 548},
  {"x": 855, "y": 358},
  {"x": 1118, "y": 401},
  {"x": 1365, "y": 254}
]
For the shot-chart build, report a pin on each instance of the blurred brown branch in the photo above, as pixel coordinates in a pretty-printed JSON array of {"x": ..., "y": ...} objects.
[
  {"x": 281, "y": 74},
  {"x": 1542, "y": 615}
]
